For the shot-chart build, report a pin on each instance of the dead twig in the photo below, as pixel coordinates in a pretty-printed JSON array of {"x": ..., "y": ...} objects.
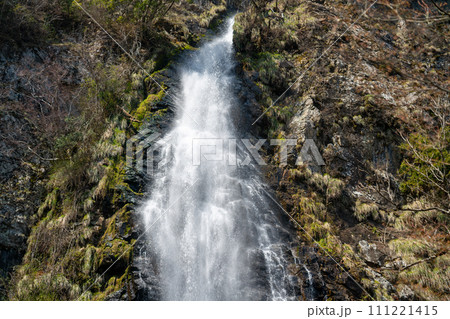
[
  {"x": 425, "y": 210},
  {"x": 423, "y": 260}
]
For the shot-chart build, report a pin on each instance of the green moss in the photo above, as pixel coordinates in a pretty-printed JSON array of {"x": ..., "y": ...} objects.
[
  {"x": 188, "y": 47},
  {"x": 114, "y": 284},
  {"x": 420, "y": 177},
  {"x": 116, "y": 248},
  {"x": 144, "y": 111},
  {"x": 122, "y": 216},
  {"x": 53, "y": 250}
]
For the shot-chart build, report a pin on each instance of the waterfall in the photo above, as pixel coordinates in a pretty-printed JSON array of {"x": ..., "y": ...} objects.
[{"x": 212, "y": 232}]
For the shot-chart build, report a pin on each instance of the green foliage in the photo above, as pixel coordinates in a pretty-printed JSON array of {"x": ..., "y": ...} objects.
[
  {"x": 37, "y": 21},
  {"x": 93, "y": 135},
  {"x": 265, "y": 63},
  {"x": 49, "y": 206},
  {"x": 426, "y": 168},
  {"x": 84, "y": 181},
  {"x": 84, "y": 222},
  {"x": 208, "y": 18},
  {"x": 331, "y": 187},
  {"x": 434, "y": 276}
]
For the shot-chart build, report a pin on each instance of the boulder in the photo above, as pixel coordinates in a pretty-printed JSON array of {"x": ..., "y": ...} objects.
[
  {"x": 406, "y": 293},
  {"x": 370, "y": 253}
]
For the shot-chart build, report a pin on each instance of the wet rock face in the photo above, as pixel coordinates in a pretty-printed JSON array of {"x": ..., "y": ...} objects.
[{"x": 321, "y": 279}]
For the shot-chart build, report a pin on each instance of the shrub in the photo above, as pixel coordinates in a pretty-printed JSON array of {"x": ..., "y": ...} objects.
[
  {"x": 426, "y": 168},
  {"x": 365, "y": 210}
]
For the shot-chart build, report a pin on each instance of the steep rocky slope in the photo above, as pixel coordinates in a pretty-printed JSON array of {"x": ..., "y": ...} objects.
[
  {"x": 69, "y": 100},
  {"x": 375, "y": 104},
  {"x": 373, "y": 96},
  {"x": 33, "y": 104}
]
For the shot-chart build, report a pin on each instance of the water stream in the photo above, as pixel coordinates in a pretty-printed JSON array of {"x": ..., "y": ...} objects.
[{"x": 213, "y": 233}]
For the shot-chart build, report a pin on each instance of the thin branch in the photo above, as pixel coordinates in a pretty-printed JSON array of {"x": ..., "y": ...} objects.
[
  {"x": 168, "y": 9},
  {"x": 41, "y": 158},
  {"x": 425, "y": 210},
  {"x": 131, "y": 117},
  {"x": 423, "y": 260},
  {"x": 439, "y": 8},
  {"x": 426, "y": 178}
]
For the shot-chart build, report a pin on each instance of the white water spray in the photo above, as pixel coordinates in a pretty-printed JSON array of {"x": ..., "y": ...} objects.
[{"x": 213, "y": 234}]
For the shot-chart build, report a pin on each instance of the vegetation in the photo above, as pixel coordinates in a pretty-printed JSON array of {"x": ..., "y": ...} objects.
[
  {"x": 84, "y": 224},
  {"x": 84, "y": 195},
  {"x": 426, "y": 168},
  {"x": 385, "y": 148}
]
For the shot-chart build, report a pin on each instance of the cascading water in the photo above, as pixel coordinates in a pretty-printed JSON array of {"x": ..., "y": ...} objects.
[{"x": 213, "y": 234}]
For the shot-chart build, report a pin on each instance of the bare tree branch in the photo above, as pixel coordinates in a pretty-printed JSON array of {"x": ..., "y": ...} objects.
[
  {"x": 439, "y": 8},
  {"x": 423, "y": 260}
]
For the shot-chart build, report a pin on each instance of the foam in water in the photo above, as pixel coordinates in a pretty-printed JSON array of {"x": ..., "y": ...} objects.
[{"x": 212, "y": 233}]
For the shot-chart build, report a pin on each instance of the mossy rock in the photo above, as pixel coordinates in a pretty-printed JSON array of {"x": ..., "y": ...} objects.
[{"x": 144, "y": 111}]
